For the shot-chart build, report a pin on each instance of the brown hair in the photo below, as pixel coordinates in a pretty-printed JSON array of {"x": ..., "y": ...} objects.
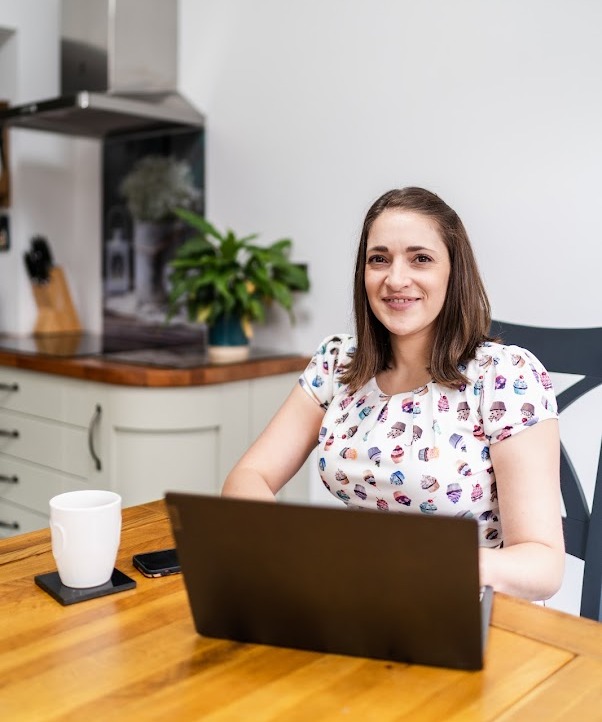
[{"x": 464, "y": 320}]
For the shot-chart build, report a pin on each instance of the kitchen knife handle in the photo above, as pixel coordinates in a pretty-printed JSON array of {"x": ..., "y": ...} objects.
[
  {"x": 9, "y": 479},
  {"x": 11, "y": 433},
  {"x": 94, "y": 421},
  {"x": 9, "y": 387}
]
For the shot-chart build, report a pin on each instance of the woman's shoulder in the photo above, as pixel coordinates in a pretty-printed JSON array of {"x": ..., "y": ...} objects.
[
  {"x": 494, "y": 353},
  {"x": 497, "y": 363},
  {"x": 321, "y": 376},
  {"x": 339, "y": 344}
]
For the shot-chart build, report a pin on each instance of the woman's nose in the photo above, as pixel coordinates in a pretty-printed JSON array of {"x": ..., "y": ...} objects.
[{"x": 398, "y": 276}]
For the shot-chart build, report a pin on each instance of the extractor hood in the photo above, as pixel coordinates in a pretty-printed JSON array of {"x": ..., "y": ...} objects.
[{"x": 118, "y": 73}]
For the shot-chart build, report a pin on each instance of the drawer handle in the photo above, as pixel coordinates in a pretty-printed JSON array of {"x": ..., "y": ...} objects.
[
  {"x": 11, "y": 433},
  {"x": 9, "y": 525},
  {"x": 9, "y": 387},
  {"x": 94, "y": 421},
  {"x": 9, "y": 479}
]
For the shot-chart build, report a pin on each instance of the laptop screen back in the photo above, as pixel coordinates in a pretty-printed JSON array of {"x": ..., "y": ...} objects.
[{"x": 401, "y": 587}]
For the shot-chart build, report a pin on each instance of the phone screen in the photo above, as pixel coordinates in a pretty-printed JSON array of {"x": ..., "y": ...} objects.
[{"x": 157, "y": 564}]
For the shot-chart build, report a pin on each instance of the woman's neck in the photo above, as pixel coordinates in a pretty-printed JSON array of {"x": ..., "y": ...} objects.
[{"x": 410, "y": 361}]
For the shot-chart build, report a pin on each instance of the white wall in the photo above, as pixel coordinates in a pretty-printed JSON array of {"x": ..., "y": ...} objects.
[
  {"x": 55, "y": 181},
  {"x": 317, "y": 107}
]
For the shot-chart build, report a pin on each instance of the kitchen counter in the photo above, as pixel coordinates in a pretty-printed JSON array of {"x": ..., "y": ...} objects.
[
  {"x": 140, "y": 422},
  {"x": 157, "y": 367}
]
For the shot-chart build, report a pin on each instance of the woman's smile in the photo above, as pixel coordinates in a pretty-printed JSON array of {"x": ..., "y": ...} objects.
[{"x": 400, "y": 302}]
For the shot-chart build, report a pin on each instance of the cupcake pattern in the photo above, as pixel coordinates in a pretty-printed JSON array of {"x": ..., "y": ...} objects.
[{"x": 426, "y": 450}]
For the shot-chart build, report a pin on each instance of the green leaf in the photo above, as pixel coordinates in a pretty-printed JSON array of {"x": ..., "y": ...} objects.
[
  {"x": 194, "y": 246},
  {"x": 282, "y": 294},
  {"x": 221, "y": 286},
  {"x": 256, "y": 310},
  {"x": 284, "y": 244},
  {"x": 196, "y": 221},
  {"x": 241, "y": 293},
  {"x": 295, "y": 277}
]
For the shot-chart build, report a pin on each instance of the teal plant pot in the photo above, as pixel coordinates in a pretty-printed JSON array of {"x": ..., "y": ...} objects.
[{"x": 227, "y": 340}]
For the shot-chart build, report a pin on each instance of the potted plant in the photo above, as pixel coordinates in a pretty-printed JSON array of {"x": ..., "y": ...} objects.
[
  {"x": 153, "y": 189},
  {"x": 227, "y": 282}
]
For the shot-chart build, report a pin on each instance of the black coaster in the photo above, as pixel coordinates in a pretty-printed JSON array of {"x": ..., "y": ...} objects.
[{"x": 51, "y": 583}]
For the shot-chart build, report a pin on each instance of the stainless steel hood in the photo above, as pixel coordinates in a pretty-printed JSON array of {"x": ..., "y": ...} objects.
[
  {"x": 118, "y": 73},
  {"x": 97, "y": 115}
]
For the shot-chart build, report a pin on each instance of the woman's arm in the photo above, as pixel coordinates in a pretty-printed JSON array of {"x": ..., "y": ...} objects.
[
  {"x": 280, "y": 450},
  {"x": 531, "y": 562}
]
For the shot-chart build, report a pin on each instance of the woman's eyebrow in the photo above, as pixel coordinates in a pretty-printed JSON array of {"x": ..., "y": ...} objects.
[
  {"x": 413, "y": 249},
  {"x": 408, "y": 249}
]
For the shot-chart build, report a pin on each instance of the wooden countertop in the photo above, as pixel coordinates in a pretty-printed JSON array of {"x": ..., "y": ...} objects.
[
  {"x": 112, "y": 372},
  {"x": 136, "y": 655}
]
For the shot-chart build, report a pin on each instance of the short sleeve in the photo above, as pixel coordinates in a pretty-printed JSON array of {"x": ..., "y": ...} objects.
[
  {"x": 516, "y": 391},
  {"x": 321, "y": 377}
]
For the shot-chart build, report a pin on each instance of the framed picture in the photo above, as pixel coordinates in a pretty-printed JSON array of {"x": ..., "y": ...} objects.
[{"x": 136, "y": 253}]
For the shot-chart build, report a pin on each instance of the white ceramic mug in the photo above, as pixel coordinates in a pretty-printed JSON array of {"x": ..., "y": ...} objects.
[{"x": 85, "y": 527}]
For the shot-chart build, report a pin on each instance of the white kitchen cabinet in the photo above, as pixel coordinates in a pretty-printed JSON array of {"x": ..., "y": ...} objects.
[
  {"x": 138, "y": 441},
  {"x": 188, "y": 438},
  {"x": 51, "y": 440}
]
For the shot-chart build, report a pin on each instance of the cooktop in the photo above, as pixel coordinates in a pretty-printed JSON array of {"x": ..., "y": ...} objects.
[
  {"x": 185, "y": 356},
  {"x": 174, "y": 351},
  {"x": 67, "y": 345}
]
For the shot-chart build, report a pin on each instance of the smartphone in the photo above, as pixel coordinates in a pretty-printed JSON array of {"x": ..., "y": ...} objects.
[{"x": 157, "y": 564}]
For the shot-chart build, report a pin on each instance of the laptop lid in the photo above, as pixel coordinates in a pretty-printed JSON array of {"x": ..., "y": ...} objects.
[{"x": 401, "y": 587}]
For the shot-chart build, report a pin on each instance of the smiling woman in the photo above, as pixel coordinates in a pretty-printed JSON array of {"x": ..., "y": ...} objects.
[
  {"x": 420, "y": 411},
  {"x": 421, "y": 218},
  {"x": 406, "y": 275}
]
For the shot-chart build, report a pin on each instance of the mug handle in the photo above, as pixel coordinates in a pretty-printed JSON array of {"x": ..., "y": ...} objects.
[{"x": 58, "y": 538}]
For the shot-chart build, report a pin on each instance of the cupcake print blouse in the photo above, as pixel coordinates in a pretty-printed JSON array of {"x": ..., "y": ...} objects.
[{"x": 427, "y": 450}]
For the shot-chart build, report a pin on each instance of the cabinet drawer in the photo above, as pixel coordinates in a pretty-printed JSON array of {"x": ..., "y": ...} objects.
[
  {"x": 16, "y": 520},
  {"x": 59, "y": 446},
  {"x": 33, "y": 486},
  {"x": 169, "y": 409},
  {"x": 53, "y": 397}
]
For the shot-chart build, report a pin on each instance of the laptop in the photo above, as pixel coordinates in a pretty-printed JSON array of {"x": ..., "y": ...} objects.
[{"x": 400, "y": 587}]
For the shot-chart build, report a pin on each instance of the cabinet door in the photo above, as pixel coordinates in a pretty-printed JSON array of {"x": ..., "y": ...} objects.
[
  {"x": 164, "y": 440},
  {"x": 150, "y": 462},
  {"x": 188, "y": 439}
]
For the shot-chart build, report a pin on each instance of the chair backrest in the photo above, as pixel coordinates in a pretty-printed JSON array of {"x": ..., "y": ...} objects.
[{"x": 572, "y": 351}]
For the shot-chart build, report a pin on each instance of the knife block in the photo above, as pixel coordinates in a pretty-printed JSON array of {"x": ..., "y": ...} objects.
[{"x": 56, "y": 313}]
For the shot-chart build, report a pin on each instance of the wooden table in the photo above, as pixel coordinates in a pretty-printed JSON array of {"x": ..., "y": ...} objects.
[{"x": 136, "y": 656}]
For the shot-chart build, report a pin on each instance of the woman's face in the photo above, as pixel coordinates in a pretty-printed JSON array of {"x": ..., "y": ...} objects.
[{"x": 407, "y": 272}]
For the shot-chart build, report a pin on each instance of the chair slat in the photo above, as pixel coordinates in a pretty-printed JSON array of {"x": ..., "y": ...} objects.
[{"x": 572, "y": 351}]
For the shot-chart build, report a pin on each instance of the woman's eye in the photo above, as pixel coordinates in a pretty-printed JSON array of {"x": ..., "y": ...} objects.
[
  {"x": 377, "y": 259},
  {"x": 423, "y": 259}
]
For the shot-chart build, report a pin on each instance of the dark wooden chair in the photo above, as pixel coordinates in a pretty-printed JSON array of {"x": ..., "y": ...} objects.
[{"x": 572, "y": 351}]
